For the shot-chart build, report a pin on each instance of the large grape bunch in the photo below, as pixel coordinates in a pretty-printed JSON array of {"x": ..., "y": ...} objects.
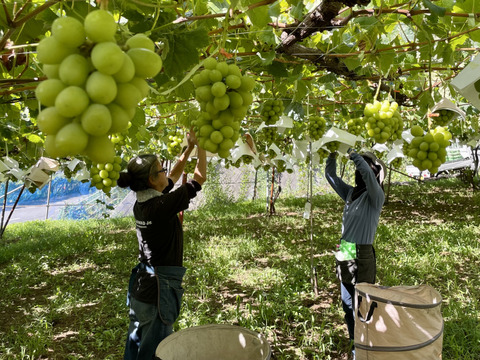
[
  {"x": 224, "y": 95},
  {"x": 383, "y": 121},
  {"x": 104, "y": 176},
  {"x": 428, "y": 150},
  {"x": 316, "y": 127},
  {"x": 93, "y": 84}
]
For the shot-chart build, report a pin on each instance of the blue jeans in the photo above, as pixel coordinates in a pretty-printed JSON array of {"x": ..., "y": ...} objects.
[{"x": 145, "y": 332}]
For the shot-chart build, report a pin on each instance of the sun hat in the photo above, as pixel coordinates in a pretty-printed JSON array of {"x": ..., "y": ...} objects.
[{"x": 378, "y": 162}]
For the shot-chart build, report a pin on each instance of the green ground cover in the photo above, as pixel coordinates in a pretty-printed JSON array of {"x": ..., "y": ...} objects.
[{"x": 64, "y": 282}]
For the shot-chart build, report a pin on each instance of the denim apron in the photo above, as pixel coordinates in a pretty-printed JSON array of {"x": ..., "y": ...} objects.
[{"x": 170, "y": 291}]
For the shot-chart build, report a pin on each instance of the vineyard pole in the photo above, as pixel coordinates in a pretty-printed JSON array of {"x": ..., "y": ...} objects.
[
  {"x": 48, "y": 196},
  {"x": 313, "y": 272}
]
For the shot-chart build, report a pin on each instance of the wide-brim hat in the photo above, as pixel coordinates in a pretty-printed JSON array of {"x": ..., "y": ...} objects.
[{"x": 378, "y": 162}]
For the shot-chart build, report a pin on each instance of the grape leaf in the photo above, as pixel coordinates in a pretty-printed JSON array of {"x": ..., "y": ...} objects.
[
  {"x": 184, "y": 50},
  {"x": 353, "y": 62},
  {"x": 301, "y": 90},
  {"x": 277, "y": 69},
  {"x": 297, "y": 10},
  {"x": 266, "y": 58},
  {"x": 435, "y": 9},
  {"x": 259, "y": 16}
]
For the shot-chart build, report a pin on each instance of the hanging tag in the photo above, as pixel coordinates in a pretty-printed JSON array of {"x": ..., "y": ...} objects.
[{"x": 306, "y": 213}]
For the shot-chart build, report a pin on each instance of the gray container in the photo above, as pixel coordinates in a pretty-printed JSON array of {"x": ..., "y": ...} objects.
[{"x": 207, "y": 342}]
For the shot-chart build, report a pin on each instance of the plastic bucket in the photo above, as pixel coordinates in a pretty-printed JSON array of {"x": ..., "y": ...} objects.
[{"x": 214, "y": 341}]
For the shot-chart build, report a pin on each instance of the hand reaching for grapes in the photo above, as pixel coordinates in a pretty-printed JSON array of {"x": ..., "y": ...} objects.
[{"x": 191, "y": 138}]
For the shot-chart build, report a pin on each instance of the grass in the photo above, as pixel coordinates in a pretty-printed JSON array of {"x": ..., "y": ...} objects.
[{"x": 64, "y": 282}]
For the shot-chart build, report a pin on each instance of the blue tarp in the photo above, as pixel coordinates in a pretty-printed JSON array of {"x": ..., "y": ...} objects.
[{"x": 61, "y": 188}]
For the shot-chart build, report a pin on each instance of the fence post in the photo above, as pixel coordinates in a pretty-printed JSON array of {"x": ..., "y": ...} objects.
[
  {"x": 11, "y": 211},
  {"x": 48, "y": 196},
  {"x": 313, "y": 269}
]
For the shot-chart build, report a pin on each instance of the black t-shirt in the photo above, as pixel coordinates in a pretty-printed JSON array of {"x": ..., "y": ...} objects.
[{"x": 160, "y": 234}]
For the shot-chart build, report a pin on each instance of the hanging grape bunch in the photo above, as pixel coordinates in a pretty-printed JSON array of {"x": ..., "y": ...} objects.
[
  {"x": 356, "y": 126},
  {"x": 93, "y": 84},
  {"x": 272, "y": 110},
  {"x": 104, "y": 176},
  {"x": 270, "y": 113},
  {"x": 190, "y": 166},
  {"x": 316, "y": 127},
  {"x": 118, "y": 139},
  {"x": 428, "y": 150},
  {"x": 224, "y": 95},
  {"x": 174, "y": 144},
  {"x": 323, "y": 154},
  {"x": 281, "y": 166},
  {"x": 383, "y": 121},
  {"x": 332, "y": 146},
  {"x": 443, "y": 117},
  {"x": 396, "y": 163}
]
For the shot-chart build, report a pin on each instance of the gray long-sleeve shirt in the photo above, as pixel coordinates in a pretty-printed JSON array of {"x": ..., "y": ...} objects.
[{"x": 360, "y": 217}]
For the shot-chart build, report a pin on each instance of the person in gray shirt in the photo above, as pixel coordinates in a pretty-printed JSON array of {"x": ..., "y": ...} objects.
[{"x": 363, "y": 205}]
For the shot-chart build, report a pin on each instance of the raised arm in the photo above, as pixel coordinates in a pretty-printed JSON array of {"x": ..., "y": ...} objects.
[
  {"x": 340, "y": 187},
  {"x": 374, "y": 190},
  {"x": 200, "y": 174},
  {"x": 179, "y": 166}
]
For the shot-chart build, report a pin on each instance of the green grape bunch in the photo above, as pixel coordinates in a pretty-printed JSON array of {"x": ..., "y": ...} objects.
[
  {"x": 244, "y": 159},
  {"x": 428, "y": 150},
  {"x": 356, "y": 126},
  {"x": 443, "y": 117},
  {"x": 323, "y": 154},
  {"x": 397, "y": 163},
  {"x": 383, "y": 121},
  {"x": 271, "y": 111},
  {"x": 190, "y": 166},
  {"x": 332, "y": 146},
  {"x": 224, "y": 95},
  {"x": 118, "y": 139},
  {"x": 174, "y": 144},
  {"x": 281, "y": 166},
  {"x": 269, "y": 136},
  {"x": 104, "y": 176},
  {"x": 93, "y": 85},
  {"x": 316, "y": 127}
]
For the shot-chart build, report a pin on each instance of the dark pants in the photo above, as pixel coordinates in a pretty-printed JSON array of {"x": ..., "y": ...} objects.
[
  {"x": 348, "y": 295},
  {"x": 365, "y": 272}
]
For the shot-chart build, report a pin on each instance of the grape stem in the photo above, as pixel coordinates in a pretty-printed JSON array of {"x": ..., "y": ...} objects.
[
  {"x": 103, "y": 4},
  {"x": 378, "y": 88}
]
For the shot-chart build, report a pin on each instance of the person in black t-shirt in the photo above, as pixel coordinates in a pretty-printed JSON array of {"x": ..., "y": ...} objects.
[{"x": 155, "y": 291}]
